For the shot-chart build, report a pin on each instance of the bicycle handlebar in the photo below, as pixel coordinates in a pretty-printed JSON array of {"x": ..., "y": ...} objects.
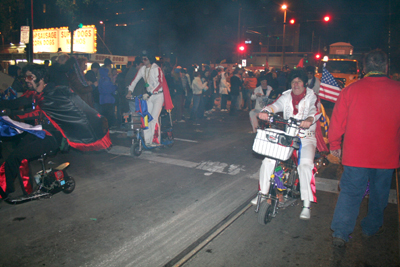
[{"x": 275, "y": 119}]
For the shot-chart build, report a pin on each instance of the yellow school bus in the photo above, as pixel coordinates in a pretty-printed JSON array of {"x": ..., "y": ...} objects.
[{"x": 345, "y": 71}]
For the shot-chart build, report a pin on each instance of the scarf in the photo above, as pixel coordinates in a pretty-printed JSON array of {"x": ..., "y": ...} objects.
[{"x": 296, "y": 100}]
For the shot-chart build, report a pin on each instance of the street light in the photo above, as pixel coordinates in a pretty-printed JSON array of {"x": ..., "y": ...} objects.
[
  {"x": 284, "y": 7},
  {"x": 104, "y": 31}
]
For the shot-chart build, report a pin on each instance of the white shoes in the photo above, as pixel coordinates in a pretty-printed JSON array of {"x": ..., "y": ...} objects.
[
  {"x": 254, "y": 201},
  {"x": 306, "y": 212}
]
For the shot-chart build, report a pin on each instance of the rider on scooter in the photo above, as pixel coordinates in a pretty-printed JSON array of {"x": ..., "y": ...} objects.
[
  {"x": 300, "y": 103},
  {"x": 61, "y": 113}
]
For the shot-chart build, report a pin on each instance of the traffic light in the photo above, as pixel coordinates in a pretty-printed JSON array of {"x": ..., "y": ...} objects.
[
  {"x": 327, "y": 18},
  {"x": 241, "y": 48},
  {"x": 318, "y": 56},
  {"x": 305, "y": 58},
  {"x": 292, "y": 21},
  {"x": 74, "y": 26}
]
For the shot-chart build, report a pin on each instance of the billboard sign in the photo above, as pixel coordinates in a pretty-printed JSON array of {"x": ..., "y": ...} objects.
[{"x": 53, "y": 39}]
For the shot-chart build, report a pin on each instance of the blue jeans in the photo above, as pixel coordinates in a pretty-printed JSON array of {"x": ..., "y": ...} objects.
[
  {"x": 195, "y": 108},
  {"x": 352, "y": 188}
]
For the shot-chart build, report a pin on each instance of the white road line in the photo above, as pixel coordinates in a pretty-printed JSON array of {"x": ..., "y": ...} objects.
[{"x": 186, "y": 140}]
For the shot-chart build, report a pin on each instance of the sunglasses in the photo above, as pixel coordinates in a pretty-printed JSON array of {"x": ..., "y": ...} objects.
[
  {"x": 29, "y": 77},
  {"x": 144, "y": 59}
]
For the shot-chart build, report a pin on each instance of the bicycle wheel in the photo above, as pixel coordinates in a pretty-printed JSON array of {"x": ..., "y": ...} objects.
[
  {"x": 136, "y": 149},
  {"x": 265, "y": 213}
]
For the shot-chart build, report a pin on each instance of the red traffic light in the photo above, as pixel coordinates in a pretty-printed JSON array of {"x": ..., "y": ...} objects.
[
  {"x": 318, "y": 56},
  {"x": 327, "y": 18},
  {"x": 292, "y": 21},
  {"x": 241, "y": 48}
]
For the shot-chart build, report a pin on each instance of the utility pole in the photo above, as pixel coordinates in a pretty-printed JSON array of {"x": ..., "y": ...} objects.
[{"x": 238, "y": 37}]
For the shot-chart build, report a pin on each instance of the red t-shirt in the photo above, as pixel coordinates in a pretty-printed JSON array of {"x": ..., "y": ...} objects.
[{"x": 368, "y": 114}]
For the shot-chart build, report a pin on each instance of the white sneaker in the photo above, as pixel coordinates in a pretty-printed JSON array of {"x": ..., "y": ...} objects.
[
  {"x": 254, "y": 201},
  {"x": 305, "y": 213}
]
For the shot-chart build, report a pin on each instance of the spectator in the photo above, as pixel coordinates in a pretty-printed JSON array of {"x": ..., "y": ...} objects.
[
  {"x": 187, "y": 85},
  {"x": 198, "y": 87},
  {"x": 224, "y": 89},
  {"x": 107, "y": 65},
  {"x": 90, "y": 77},
  {"x": 313, "y": 82},
  {"x": 114, "y": 74},
  {"x": 260, "y": 95},
  {"x": 236, "y": 86},
  {"x": 250, "y": 84},
  {"x": 107, "y": 100},
  {"x": 58, "y": 71},
  {"x": 77, "y": 81},
  {"x": 367, "y": 113},
  {"x": 178, "y": 95}
]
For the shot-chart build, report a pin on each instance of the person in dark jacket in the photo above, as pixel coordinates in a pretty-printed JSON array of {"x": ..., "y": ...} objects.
[
  {"x": 58, "y": 71},
  {"x": 77, "y": 81},
  {"x": 107, "y": 100},
  {"x": 236, "y": 86}
]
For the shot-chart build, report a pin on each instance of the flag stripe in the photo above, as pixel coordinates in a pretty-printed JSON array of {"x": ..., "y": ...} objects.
[{"x": 332, "y": 93}]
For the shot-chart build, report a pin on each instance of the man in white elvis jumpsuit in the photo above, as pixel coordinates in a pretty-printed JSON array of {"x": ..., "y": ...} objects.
[
  {"x": 153, "y": 79},
  {"x": 300, "y": 103}
]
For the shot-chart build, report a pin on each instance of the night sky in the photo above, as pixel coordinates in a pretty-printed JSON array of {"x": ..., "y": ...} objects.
[{"x": 197, "y": 31}]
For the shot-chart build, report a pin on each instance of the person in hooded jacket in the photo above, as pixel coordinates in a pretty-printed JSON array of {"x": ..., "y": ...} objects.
[{"x": 107, "y": 100}]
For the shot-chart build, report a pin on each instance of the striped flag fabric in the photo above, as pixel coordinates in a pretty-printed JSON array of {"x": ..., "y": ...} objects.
[{"x": 329, "y": 89}]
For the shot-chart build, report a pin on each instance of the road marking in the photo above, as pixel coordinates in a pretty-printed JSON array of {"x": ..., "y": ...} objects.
[
  {"x": 322, "y": 184},
  {"x": 209, "y": 166},
  {"x": 186, "y": 140}
]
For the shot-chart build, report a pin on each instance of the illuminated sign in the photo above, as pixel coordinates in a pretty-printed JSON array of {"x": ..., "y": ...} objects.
[
  {"x": 24, "y": 34},
  {"x": 116, "y": 60},
  {"x": 45, "y": 40},
  {"x": 50, "y": 40}
]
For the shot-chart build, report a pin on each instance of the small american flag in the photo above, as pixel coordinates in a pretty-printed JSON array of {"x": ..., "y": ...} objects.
[{"x": 329, "y": 89}]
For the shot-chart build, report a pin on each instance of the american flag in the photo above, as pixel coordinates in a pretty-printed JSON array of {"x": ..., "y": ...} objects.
[{"x": 329, "y": 89}]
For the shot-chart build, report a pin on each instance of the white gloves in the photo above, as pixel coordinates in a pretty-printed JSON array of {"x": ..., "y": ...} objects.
[{"x": 145, "y": 96}]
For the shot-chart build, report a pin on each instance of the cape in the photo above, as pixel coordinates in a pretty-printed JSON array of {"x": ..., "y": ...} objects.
[
  {"x": 83, "y": 127},
  {"x": 167, "y": 96}
]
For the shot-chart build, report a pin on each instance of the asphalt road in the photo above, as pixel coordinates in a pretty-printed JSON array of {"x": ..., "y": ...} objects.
[{"x": 153, "y": 209}]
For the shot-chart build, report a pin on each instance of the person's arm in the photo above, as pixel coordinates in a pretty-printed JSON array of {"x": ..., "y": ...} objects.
[
  {"x": 277, "y": 106},
  {"x": 257, "y": 92},
  {"x": 16, "y": 103}
]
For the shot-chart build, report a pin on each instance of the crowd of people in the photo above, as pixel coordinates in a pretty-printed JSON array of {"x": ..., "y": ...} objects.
[{"x": 71, "y": 98}]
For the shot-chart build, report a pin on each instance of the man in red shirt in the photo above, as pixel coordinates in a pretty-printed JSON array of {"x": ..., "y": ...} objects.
[{"x": 367, "y": 113}]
